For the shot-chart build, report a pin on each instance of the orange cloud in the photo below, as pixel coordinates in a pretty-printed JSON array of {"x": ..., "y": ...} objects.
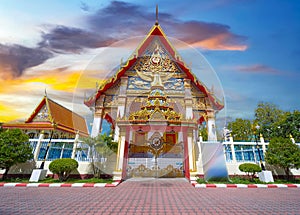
[
  {"x": 219, "y": 42},
  {"x": 258, "y": 68},
  {"x": 8, "y": 113},
  {"x": 18, "y": 97}
]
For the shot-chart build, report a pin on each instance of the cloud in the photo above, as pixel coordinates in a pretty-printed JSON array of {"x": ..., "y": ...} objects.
[
  {"x": 14, "y": 59},
  {"x": 117, "y": 21},
  {"x": 220, "y": 42},
  {"x": 131, "y": 21},
  {"x": 62, "y": 84},
  {"x": 120, "y": 20},
  {"x": 84, "y": 6},
  {"x": 257, "y": 68},
  {"x": 63, "y": 39}
]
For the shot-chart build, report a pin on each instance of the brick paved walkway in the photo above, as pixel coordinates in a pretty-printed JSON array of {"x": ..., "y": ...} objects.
[{"x": 160, "y": 196}]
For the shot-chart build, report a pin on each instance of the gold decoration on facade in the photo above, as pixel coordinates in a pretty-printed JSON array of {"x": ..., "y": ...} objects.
[
  {"x": 156, "y": 68},
  {"x": 156, "y": 108}
]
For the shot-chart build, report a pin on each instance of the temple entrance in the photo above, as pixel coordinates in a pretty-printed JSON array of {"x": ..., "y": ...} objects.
[
  {"x": 156, "y": 105},
  {"x": 157, "y": 156}
]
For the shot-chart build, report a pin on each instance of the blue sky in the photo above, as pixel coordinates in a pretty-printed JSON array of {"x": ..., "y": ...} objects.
[{"x": 253, "y": 46}]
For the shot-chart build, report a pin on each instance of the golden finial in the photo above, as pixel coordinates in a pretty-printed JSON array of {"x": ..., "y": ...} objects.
[{"x": 156, "y": 21}]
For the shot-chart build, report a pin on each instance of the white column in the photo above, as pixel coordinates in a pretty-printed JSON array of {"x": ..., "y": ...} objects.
[
  {"x": 189, "y": 113},
  {"x": 121, "y": 107},
  {"x": 75, "y": 145},
  {"x": 199, "y": 147},
  {"x": 232, "y": 150},
  {"x": 254, "y": 154},
  {"x": 211, "y": 129},
  {"x": 122, "y": 97},
  {"x": 117, "y": 133},
  {"x": 180, "y": 136},
  {"x": 190, "y": 150},
  {"x": 98, "y": 115},
  {"x": 262, "y": 140},
  {"x": 121, "y": 153},
  {"x": 38, "y": 146},
  {"x": 62, "y": 150},
  {"x": 188, "y": 99},
  {"x": 242, "y": 151},
  {"x": 200, "y": 139},
  {"x": 96, "y": 126}
]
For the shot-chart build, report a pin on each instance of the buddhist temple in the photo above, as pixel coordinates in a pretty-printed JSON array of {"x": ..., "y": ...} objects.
[
  {"x": 155, "y": 105},
  {"x": 52, "y": 126}
]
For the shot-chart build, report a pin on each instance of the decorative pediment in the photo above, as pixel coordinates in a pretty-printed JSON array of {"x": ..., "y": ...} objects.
[
  {"x": 157, "y": 115},
  {"x": 43, "y": 115},
  {"x": 155, "y": 63},
  {"x": 156, "y": 109}
]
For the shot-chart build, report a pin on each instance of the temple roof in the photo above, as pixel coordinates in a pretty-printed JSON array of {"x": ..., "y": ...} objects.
[
  {"x": 49, "y": 115},
  {"x": 155, "y": 32}
]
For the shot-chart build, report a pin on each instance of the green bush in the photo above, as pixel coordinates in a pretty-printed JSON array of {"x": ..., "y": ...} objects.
[
  {"x": 250, "y": 169},
  {"x": 63, "y": 167}
]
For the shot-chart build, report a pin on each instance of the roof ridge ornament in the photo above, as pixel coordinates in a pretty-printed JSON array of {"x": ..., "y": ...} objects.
[{"x": 156, "y": 21}]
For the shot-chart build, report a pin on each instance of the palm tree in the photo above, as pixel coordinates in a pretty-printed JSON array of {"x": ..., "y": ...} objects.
[{"x": 100, "y": 145}]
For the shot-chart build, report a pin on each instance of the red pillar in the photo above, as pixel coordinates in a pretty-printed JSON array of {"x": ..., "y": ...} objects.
[
  {"x": 186, "y": 156},
  {"x": 126, "y": 150}
]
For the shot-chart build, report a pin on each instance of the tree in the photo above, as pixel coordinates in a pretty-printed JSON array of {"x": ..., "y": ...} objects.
[
  {"x": 90, "y": 141},
  {"x": 203, "y": 133},
  {"x": 282, "y": 152},
  {"x": 101, "y": 145},
  {"x": 63, "y": 167},
  {"x": 240, "y": 129},
  {"x": 14, "y": 149},
  {"x": 250, "y": 168},
  {"x": 268, "y": 116},
  {"x": 290, "y": 125}
]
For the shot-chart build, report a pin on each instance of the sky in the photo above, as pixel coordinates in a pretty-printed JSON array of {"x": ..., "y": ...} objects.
[{"x": 62, "y": 48}]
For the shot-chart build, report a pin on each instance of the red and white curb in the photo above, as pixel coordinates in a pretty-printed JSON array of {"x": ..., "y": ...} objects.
[
  {"x": 114, "y": 184},
  {"x": 196, "y": 185}
]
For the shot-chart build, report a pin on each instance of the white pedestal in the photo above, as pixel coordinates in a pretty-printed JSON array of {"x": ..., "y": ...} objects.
[
  {"x": 117, "y": 175},
  {"x": 37, "y": 175},
  {"x": 266, "y": 176}
]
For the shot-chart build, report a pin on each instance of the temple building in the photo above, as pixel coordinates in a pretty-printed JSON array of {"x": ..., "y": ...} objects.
[
  {"x": 54, "y": 132},
  {"x": 155, "y": 105}
]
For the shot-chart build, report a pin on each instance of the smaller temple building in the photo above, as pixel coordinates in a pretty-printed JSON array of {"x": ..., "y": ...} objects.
[{"x": 54, "y": 132}]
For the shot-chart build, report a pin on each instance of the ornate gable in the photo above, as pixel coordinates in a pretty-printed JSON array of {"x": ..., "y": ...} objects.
[
  {"x": 43, "y": 115},
  {"x": 156, "y": 55}
]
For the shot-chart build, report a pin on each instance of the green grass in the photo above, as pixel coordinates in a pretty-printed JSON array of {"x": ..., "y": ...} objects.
[
  {"x": 240, "y": 180},
  {"x": 15, "y": 180},
  {"x": 72, "y": 180},
  {"x": 52, "y": 180}
]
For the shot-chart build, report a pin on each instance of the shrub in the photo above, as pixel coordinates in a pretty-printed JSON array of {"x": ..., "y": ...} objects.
[
  {"x": 282, "y": 152},
  {"x": 250, "y": 169},
  {"x": 63, "y": 167}
]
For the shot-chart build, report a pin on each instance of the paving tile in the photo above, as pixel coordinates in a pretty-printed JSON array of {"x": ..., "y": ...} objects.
[{"x": 148, "y": 196}]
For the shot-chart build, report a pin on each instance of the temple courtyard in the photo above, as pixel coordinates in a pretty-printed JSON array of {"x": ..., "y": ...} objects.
[{"x": 148, "y": 196}]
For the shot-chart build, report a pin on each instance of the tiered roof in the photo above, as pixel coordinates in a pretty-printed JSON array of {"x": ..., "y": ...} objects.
[
  {"x": 49, "y": 115},
  {"x": 155, "y": 32}
]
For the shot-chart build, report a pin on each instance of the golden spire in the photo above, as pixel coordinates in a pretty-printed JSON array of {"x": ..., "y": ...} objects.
[{"x": 156, "y": 21}]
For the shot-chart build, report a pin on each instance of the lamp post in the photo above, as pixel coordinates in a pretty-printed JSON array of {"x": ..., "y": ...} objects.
[{"x": 257, "y": 146}]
